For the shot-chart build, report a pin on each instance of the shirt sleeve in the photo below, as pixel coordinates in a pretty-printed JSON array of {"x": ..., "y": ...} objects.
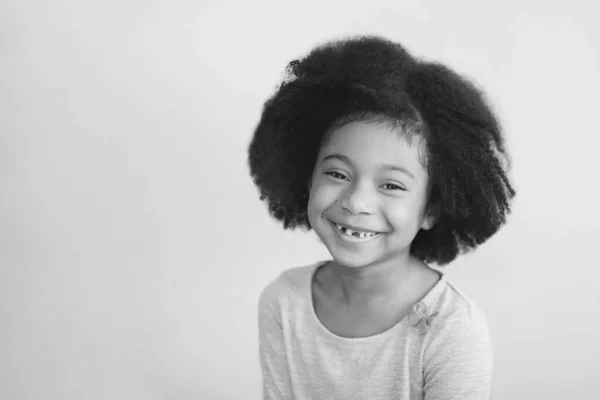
[
  {"x": 457, "y": 363},
  {"x": 275, "y": 372}
]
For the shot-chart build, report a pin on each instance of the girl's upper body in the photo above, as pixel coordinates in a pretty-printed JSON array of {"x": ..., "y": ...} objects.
[
  {"x": 394, "y": 163},
  {"x": 438, "y": 349}
]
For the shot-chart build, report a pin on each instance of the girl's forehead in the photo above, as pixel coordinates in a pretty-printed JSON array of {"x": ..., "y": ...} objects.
[{"x": 373, "y": 141}]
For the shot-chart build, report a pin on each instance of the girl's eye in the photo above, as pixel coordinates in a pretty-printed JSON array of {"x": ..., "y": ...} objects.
[
  {"x": 391, "y": 186},
  {"x": 336, "y": 175}
]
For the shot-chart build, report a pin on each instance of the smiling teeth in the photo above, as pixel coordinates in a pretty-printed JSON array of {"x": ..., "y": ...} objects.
[{"x": 350, "y": 232}]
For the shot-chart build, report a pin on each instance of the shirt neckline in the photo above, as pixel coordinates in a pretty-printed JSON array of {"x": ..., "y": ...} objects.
[{"x": 427, "y": 300}]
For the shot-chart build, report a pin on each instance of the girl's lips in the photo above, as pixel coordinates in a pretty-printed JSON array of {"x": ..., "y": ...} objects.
[
  {"x": 350, "y": 236},
  {"x": 355, "y": 228}
]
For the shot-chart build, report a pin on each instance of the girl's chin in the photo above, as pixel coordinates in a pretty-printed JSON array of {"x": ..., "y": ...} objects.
[{"x": 352, "y": 260}]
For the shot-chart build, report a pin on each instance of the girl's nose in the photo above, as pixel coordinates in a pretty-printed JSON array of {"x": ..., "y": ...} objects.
[{"x": 359, "y": 199}]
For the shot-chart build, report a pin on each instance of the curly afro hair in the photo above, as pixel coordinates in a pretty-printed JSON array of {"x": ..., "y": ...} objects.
[{"x": 370, "y": 77}]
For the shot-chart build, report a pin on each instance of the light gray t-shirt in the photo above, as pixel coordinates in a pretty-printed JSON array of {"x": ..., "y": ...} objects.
[{"x": 440, "y": 351}]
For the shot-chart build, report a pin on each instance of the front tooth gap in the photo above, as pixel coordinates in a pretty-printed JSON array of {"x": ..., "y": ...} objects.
[{"x": 350, "y": 232}]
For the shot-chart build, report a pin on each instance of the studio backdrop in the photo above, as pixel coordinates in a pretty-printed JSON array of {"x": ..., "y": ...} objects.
[{"x": 134, "y": 246}]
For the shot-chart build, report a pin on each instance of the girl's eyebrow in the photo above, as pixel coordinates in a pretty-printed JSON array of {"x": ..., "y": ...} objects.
[
  {"x": 388, "y": 167},
  {"x": 337, "y": 156},
  {"x": 384, "y": 167}
]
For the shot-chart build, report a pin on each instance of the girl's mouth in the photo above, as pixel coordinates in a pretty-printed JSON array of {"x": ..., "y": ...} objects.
[{"x": 355, "y": 233}]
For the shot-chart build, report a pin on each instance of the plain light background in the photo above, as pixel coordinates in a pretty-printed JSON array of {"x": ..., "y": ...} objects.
[{"x": 133, "y": 245}]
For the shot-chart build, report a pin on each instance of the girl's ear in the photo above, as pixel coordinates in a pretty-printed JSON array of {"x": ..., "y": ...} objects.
[{"x": 431, "y": 217}]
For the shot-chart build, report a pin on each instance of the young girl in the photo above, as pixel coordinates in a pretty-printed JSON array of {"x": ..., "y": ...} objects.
[{"x": 395, "y": 163}]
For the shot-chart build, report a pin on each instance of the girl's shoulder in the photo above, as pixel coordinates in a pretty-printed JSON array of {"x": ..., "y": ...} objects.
[
  {"x": 290, "y": 283},
  {"x": 453, "y": 302},
  {"x": 450, "y": 312}
]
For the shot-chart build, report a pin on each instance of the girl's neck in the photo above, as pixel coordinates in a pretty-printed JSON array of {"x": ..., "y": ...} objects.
[{"x": 373, "y": 285}]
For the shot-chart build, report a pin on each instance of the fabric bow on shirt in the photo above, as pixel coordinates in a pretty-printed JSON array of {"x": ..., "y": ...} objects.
[{"x": 418, "y": 318}]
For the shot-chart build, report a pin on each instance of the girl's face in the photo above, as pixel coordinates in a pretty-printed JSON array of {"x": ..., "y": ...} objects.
[{"x": 368, "y": 194}]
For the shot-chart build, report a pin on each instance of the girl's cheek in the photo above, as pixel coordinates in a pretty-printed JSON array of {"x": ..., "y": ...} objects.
[
  {"x": 328, "y": 192},
  {"x": 399, "y": 210}
]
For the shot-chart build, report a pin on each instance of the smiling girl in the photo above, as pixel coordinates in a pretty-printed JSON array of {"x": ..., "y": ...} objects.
[{"x": 396, "y": 164}]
